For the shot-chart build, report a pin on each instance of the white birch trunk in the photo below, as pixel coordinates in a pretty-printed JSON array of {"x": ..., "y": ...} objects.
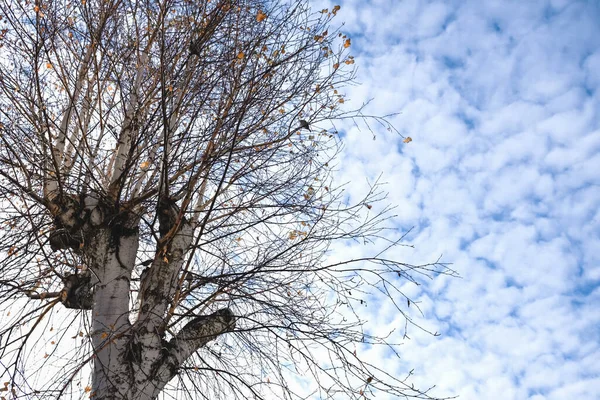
[{"x": 135, "y": 361}]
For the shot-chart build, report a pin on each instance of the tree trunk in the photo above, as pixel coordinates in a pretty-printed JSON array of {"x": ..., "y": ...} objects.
[{"x": 136, "y": 361}]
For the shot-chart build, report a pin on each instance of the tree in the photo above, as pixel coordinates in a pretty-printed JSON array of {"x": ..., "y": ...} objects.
[{"x": 167, "y": 217}]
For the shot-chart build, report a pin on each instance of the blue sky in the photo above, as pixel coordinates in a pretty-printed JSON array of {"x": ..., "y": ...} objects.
[{"x": 502, "y": 101}]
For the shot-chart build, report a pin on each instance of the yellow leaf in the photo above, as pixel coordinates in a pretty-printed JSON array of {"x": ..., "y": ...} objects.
[
  {"x": 335, "y": 9},
  {"x": 88, "y": 389},
  {"x": 36, "y": 9},
  {"x": 48, "y": 65},
  {"x": 70, "y": 35},
  {"x": 104, "y": 335},
  {"x": 336, "y": 66},
  {"x": 324, "y": 11},
  {"x": 407, "y": 140},
  {"x": 240, "y": 55},
  {"x": 341, "y": 100},
  {"x": 347, "y": 43},
  {"x": 261, "y": 16},
  {"x": 144, "y": 166}
]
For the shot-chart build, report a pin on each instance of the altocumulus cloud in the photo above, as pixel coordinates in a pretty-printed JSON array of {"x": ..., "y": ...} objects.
[{"x": 502, "y": 100}]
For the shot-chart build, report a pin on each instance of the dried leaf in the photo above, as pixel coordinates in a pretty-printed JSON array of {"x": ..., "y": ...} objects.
[
  {"x": 407, "y": 140},
  {"x": 260, "y": 16}
]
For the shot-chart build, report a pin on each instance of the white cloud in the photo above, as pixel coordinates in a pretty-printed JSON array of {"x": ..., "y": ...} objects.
[{"x": 502, "y": 101}]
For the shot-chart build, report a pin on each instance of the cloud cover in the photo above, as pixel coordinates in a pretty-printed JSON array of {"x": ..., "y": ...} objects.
[{"x": 502, "y": 100}]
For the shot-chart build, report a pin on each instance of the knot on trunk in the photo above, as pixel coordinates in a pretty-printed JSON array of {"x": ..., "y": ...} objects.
[
  {"x": 77, "y": 292},
  {"x": 227, "y": 317},
  {"x": 168, "y": 213},
  {"x": 68, "y": 221},
  {"x": 63, "y": 238}
]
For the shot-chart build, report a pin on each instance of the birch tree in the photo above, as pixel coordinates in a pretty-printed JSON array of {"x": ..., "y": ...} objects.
[{"x": 168, "y": 204}]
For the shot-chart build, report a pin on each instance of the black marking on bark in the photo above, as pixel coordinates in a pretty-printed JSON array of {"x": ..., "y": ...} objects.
[
  {"x": 164, "y": 360},
  {"x": 119, "y": 229},
  {"x": 133, "y": 353}
]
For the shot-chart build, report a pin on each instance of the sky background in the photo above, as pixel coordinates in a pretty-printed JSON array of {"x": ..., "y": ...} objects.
[
  {"x": 501, "y": 179},
  {"x": 502, "y": 101}
]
